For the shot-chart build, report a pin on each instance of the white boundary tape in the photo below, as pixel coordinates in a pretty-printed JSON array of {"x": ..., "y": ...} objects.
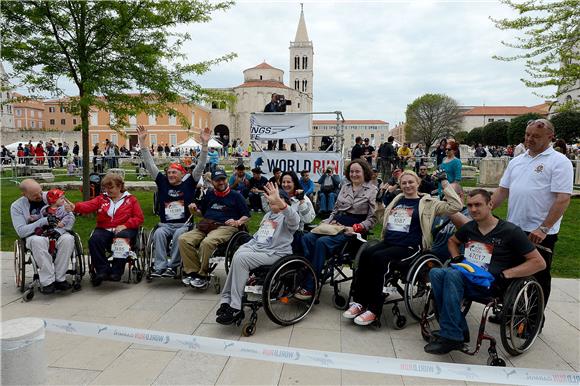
[{"x": 314, "y": 358}]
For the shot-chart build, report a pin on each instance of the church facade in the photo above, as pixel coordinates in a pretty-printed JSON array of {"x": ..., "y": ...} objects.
[{"x": 260, "y": 82}]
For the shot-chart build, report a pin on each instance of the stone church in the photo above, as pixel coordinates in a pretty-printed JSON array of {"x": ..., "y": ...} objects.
[{"x": 260, "y": 82}]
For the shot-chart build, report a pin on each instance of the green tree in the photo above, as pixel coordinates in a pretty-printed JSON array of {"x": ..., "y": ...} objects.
[
  {"x": 517, "y": 128},
  {"x": 495, "y": 133},
  {"x": 123, "y": 56},
  {"x": 430, "y": 117},
  {"x": 567, "y": 126},
  {"x": 475, "y": 136},
  {"x": 549, "y": 43}
]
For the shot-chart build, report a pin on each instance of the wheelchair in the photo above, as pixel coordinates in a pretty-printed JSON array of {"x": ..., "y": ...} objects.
[
  {"x": 521, "y": 311},
  {"x": 273, "y": 287},
  {"x": 406, "y": 281},
  {"x": 23, "y": 257},
  {"x": 149, "y": 262},
  {"x": 135, "y": 261},
  {"x": 334, "y": 271},
  {"x": 225, "y": 253}
]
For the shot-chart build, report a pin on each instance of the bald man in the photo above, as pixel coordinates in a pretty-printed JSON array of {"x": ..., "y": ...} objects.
[
  {"x": 538, "y": 185},
  {"x": 26, "y": 219}
]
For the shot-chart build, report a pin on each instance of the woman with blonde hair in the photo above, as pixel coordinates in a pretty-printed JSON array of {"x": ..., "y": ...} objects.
[
  {"x": 406, "y": 229},
  {"x": 119, "y": 217}
]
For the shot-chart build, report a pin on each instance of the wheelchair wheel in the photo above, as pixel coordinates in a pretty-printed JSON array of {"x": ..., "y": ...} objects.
[
  {"x": 20, "y": 264},
  {"x": 78, "y": 260},
  {"x": 149, "y": 253},
  {"x": 418, "y": 286},
  {"x": 282, "y": 282},
  {"x": 234, "y": 244},
  {"x": 522, "y": 315}
]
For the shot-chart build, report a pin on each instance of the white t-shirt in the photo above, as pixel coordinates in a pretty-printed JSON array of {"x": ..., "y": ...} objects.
[{"x": 532, "y": 184}]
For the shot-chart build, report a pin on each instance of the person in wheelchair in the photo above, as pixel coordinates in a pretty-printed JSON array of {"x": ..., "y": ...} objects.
[
  {"x": 271, "y": 242},
  {"x": 354, "y": 209},
  {"x": 406, "y": 229},
  {"x": 119, "y": 217},
  {"x": 497, "y": 249},
  {"x": 26, "y": 219},
  {"x": 224, "y": 212},
  {"x": 301, "y": 204},
  {"x": 175, "y": 194}
]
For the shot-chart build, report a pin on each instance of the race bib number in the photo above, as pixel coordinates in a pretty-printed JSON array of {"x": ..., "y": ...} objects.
[
  {"x": 478, "y": 253},
  {"x": 120, "y": 248},
  {"x": 266, "y": 231},
  {"x": 400, "y": 219},
  {"x": 174, "y": 210}
]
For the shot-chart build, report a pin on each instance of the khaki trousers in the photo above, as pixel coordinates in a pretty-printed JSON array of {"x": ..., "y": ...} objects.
[{"x": 197, "y": 261}]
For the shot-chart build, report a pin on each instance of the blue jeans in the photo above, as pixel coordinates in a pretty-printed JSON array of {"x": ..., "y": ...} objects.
[
  {"x": 449, "y": 289},
  {"x": 164, "y": 233},
  {"x": 327, "y": 203},
  {"x": 318, "y": 247}
]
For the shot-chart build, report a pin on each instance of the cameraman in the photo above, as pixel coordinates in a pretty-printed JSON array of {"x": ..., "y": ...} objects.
[{"x": 277, "y": 105}]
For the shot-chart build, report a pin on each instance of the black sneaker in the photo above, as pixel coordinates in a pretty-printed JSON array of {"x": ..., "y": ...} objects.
[
  {"x": 158, "y": 273},
  {"x": 62, "y": 285},
  {"x": 466, "y": 338},
  {"x": 169, "y": 272},
  {"x": 115, "y": 277},
  {"x": 48, "y": 289},
  {"x": 222, "y": 309},
  {"x": 441, "y": 345},
  {"x": 229, "y": 316}
]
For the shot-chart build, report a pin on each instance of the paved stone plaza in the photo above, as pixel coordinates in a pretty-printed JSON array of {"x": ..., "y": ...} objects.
[{"x": 168, "y": 306}]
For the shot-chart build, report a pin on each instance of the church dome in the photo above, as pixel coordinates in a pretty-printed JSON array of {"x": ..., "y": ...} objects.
[{"x": 263, "y": 72}]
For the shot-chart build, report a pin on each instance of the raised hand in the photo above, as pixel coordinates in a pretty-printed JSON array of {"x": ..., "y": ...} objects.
[
  {"x": 205, "y": 135},
  {"x": 142, "y": 134},
  {"x": 272, "y": 194}
]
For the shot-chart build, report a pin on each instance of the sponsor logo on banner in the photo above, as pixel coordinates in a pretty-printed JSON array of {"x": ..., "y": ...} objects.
[
  {"x": 279, "y": 126},
  {"x": 315, "y": 162}
]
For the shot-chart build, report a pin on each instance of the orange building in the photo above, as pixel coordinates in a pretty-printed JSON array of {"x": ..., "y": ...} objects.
[
  {"x": 162, "y": 129},
  {"x": 28, "y": 114},
  {"x": 57, "y": 116}
]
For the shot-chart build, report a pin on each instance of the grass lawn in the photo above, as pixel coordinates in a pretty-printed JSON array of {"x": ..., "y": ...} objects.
[{"x": 566, "y": 261}]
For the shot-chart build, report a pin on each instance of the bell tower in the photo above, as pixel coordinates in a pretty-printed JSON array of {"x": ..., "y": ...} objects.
[{"x": 301, "y": 59}]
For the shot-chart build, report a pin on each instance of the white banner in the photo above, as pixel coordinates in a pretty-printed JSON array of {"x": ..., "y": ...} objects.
[
  {"x": 316, "y": 358},
  {"x": 279, "y": 126},
  {"x": 315, "y": 162}
]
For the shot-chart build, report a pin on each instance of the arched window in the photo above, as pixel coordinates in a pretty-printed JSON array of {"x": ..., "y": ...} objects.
[
  {"x": 297, "y": 85},
  {"x": 304, "y": 62},
  {"x": 304, "y": 85},
  {"x": 296, "y": 62}
]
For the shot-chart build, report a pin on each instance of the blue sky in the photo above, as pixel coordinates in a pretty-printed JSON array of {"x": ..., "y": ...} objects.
[{"x": 372, "y": 58}]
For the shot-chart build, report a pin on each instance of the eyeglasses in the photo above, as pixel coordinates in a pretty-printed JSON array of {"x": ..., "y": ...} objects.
[
  {"x": 422, "y": 170},
  {"x": 448, "y": 148}
]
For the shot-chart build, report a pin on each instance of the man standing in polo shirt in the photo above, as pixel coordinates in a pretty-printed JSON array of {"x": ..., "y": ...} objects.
[{"x": 539, "y": 186}]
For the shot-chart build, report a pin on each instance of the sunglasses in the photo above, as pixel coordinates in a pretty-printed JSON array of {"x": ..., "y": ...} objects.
[{"x": 448, "y": 148}]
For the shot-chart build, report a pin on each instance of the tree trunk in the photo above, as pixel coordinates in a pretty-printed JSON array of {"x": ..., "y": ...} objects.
[{"x": 86, "y": 148}]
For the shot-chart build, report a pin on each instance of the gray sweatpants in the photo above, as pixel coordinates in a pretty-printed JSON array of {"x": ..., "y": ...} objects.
[
  {"x": 244, "y": 260},
  {"x": 163, "y": 235},
  {"x": 48, "y": 271}
]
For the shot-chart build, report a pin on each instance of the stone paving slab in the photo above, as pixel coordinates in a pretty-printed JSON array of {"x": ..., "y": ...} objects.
[{"x": 167, "y": 305}]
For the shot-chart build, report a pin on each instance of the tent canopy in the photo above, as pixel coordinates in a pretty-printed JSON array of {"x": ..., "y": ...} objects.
[
  {"x": 190, "y": 143},
  {"x": 213, "y": 143}
]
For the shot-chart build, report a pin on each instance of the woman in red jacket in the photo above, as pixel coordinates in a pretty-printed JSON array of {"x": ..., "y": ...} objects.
[
  {"x": 39, "y": 153},
  {"x": 119, "y": 216}
]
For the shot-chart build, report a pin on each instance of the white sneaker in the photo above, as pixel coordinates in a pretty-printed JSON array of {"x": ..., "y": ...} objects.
[
  {"x": 199, "y": 282},
  {"x": 354, "y": 310},
  {"x": 186, "y": 280},
  {"x": 365, "y": 318}
]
